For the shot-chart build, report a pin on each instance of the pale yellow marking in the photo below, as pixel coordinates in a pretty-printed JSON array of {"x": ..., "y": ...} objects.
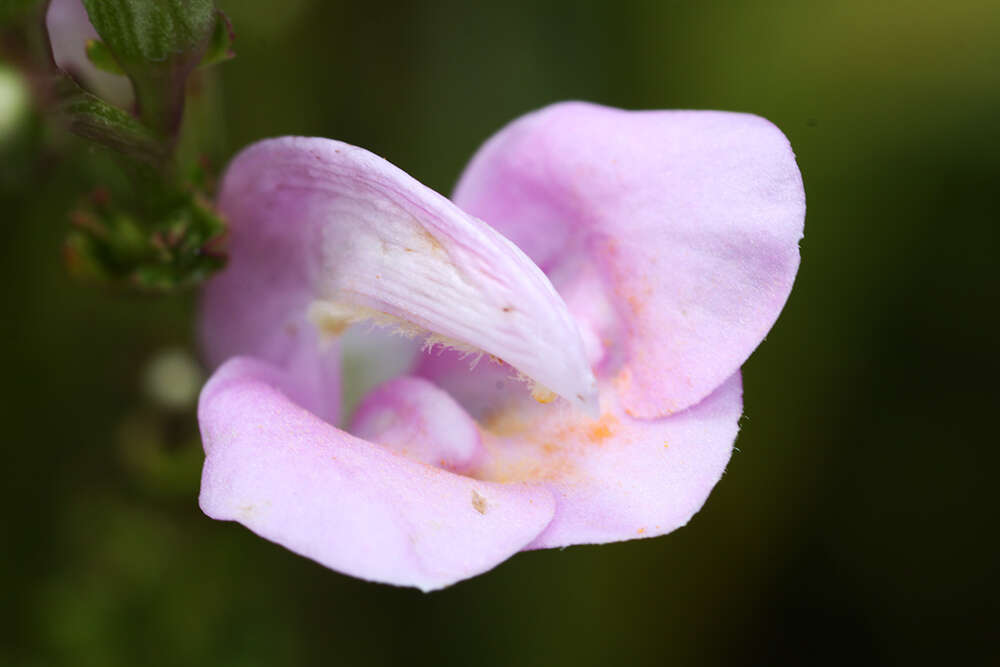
[
  {"x": 543, "y": 394},
  {"x": 478, "y": 502}
]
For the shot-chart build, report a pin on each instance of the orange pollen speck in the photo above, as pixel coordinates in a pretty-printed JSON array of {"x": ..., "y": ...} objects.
[
  {"x": 634, "y": 303},
  {"x": 599, "y": 432}
]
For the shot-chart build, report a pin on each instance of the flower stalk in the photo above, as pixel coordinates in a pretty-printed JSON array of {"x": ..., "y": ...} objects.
[{"x": 125, "y": 75}]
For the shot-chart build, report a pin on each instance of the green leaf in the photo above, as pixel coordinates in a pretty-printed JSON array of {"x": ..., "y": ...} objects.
[
  {"x": 220, "y": 46},
  {"x": 92, "y": 118},
  {"x": 151, "y": 31},
  {"x": 158, "y": 43},
  {"x": 102, "y": 58}
]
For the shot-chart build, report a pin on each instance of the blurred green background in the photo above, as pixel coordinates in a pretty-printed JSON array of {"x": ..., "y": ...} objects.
[{"x": 856, "y": 523}]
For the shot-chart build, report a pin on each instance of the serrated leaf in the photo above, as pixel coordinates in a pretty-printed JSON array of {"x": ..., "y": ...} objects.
[
  {"x": 220, "y": 45},
  {"x": 151, "y": 31},
  {"x": 91, "y": 117},
  {"x": 101, "y": 57}
]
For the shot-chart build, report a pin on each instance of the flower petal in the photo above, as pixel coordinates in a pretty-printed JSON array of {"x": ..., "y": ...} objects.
[
  {"x": 413, "y": 417},
  {"x": 349, "y": 504},
  {"x": 615, "y": 478},
  {"x": 259, "y": 305},
  {"x": 359, "y": 239},
  {"x": 693, "y": 219}
]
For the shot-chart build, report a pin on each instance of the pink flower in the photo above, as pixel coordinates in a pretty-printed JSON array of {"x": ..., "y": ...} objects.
[{"x": 662, "y": 246}]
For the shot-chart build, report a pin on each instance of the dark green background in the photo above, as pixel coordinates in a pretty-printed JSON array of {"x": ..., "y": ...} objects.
[{"x": 857, "y": 522}]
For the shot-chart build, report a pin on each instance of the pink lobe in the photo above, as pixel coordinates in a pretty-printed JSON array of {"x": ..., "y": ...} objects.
[
  {"x": 415, "y": 418},
  {"x": 630, "y": 478},
  {"x": 614, "y": 478},
  {"x": 347, "y": 503},
  {"x": 258, "y": 306},
  {"x": 328, "y": 233},
  {"x": 692, "y": 220}
]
